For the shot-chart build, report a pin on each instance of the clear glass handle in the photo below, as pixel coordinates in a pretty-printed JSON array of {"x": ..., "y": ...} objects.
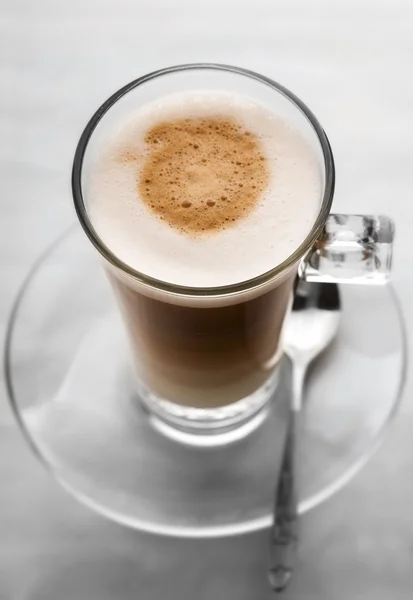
[{"x": 352, "y": 249}]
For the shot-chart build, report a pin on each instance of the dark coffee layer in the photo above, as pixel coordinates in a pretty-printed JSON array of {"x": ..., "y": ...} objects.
[{"x": 204, "y": 357}]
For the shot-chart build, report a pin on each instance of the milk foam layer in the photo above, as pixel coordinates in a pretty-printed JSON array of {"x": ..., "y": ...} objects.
[{"x": 279, "y": 222}]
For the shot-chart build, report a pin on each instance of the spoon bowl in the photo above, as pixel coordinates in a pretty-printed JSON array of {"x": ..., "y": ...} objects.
[{"x": 313, "y": 321}]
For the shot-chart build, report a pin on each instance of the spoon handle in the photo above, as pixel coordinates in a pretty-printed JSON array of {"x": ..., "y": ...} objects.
[
  {"x": 284, "y": 532},
  {"x": 297, "y": 385}
]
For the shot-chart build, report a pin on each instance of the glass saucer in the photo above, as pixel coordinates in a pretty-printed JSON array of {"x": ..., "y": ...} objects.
[{"x": 69, "y": 382}]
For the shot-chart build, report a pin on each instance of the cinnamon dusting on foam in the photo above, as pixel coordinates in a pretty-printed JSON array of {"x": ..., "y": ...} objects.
[{"x": 200, "y": 175}]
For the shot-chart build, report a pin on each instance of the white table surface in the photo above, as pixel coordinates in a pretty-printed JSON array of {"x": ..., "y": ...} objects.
[{"x": 351, "y": 61}]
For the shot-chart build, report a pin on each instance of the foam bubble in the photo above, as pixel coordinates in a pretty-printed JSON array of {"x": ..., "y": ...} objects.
[{"x": 204, "y": 189}]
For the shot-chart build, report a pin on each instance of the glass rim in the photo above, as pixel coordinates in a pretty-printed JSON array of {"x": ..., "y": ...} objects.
[{"x": 182, "y": 290}]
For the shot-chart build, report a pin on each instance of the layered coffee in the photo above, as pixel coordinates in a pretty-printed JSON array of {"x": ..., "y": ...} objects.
[{"x": 203, "y": 190}]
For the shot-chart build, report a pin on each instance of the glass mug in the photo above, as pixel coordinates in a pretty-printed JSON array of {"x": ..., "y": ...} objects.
[{"x": 207, "y": 360}]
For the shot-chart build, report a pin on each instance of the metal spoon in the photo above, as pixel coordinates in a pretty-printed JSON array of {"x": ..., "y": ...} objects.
[{"x": 310, "y": 328}]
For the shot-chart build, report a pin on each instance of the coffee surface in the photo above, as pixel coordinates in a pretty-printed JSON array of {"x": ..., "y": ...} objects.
[
  {"x": 202, "y": 175},
  {"x": 203, "y": 189}
]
